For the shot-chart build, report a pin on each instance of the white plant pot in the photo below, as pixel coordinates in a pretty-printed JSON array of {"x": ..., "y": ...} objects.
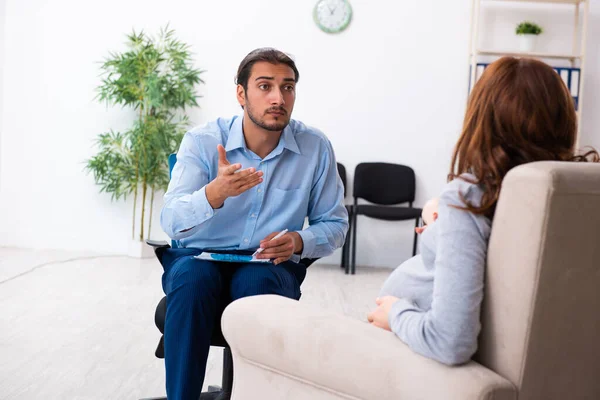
[
  {"x": 139, "y": 249},
  {"x": 527, "y": 42}
]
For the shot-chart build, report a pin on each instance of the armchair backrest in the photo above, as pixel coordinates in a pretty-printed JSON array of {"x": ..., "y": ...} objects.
[{"x": 540, "y": 317}]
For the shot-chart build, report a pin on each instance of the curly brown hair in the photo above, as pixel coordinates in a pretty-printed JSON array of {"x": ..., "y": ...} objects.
[{"x": 519, "y": 111}]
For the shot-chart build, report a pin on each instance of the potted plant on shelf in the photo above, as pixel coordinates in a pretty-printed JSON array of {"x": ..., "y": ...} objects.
[
  {"x": 528, "y": 33},
  {"x": 155, "y": 78}
]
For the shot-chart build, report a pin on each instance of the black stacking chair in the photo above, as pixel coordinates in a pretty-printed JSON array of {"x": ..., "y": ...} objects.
[{"x": 385, "y": 186}]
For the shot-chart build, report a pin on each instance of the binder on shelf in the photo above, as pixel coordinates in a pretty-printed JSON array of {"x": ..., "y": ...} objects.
[{"x": 570, "y": 77}]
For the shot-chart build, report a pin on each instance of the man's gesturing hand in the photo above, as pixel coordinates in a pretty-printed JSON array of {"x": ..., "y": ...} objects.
[{"x": 230, "y": 180}]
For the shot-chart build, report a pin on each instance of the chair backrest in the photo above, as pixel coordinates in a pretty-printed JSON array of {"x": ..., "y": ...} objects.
[
  {"x": 540, "y": 316},
  {"x": 342, "y": 172},
  {"x": 172, "y": 161},
  {"x": 384, "y": 183}
]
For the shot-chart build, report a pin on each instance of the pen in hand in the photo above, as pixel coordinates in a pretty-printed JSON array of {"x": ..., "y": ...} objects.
[{"x": 260, "y": 249}]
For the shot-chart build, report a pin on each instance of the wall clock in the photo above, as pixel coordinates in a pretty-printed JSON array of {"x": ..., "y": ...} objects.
[{"x": 332, "y": 16}]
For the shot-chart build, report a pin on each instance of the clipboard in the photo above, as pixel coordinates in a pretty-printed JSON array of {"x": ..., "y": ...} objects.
[{"x": 231, "y": 257}]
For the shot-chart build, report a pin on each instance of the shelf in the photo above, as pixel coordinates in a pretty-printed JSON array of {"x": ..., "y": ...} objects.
[
  {"x": 568, "y": 62},
  {"x": 542, "y": 1},
  {"x": 521, "y": 54}
]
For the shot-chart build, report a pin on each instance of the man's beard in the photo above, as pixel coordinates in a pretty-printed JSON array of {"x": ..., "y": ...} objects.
[{"x": 276, "y": 126}]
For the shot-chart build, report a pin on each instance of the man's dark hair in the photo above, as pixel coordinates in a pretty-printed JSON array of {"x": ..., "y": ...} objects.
[{"x": 267, "y": 54}]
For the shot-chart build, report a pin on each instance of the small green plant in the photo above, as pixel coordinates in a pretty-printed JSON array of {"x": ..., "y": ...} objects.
[
  {"x": 530, "y": 28},
  {"x": 156, "y": 78}
]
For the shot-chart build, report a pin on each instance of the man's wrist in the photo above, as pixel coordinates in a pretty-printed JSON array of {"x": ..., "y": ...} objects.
[
  {"x": 213, "y": 197},
  {"x": 298, "y": 243}
]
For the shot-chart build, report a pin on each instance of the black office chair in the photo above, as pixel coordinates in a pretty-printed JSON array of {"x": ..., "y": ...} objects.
[
  {"x": 346, "y": 249},
  {"x": 222, "y": 392},
  {"x": 385, "y": 185}
]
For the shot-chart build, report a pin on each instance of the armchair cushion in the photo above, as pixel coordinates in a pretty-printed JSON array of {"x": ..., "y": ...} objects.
[{"x": 284, "y": 349}]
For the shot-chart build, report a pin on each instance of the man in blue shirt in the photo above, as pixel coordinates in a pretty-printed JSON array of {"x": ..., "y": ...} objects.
[{"x": 236, "y": 184}]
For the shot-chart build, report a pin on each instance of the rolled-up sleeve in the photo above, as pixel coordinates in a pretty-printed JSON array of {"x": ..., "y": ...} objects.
[
  {"x": 186, "y": 207},
  {"x": 327, "y": 215}
]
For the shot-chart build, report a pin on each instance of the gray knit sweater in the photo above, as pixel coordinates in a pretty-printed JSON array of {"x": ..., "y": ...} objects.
[{"x": 441, "y": 288}]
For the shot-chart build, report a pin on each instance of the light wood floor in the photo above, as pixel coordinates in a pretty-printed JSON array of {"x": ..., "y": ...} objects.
[{"x": 81, "y": 325}]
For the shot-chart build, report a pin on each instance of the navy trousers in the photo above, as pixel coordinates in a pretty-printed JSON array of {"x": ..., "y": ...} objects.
[{"x": 197, "y": 293}]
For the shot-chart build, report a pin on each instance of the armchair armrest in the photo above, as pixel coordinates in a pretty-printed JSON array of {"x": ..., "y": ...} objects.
[{"x": 341, "y": 357}]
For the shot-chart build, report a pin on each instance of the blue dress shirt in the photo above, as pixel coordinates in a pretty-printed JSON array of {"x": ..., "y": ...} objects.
[{"x": 300, "y": 180}]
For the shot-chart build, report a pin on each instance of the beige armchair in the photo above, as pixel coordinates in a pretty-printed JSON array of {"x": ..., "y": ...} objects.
[{"x": 540, "y": 334}]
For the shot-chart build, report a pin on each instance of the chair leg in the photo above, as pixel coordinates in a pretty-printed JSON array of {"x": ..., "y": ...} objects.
[
  {"x": 416, "y": 237},
  {"x": 347, "y": 251},
  {"x": 224, "y": 391},
  {"x": 344, "y": 251},
  {"x": 350, "y": 254},
  {"x": 346, "y": 248},
  {"x": 227, "y": 382},
  {"x": 353, "y": 266}
]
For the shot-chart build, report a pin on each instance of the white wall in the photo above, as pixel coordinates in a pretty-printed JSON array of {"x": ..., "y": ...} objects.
[
  {"x": 2, "y": 23},
  {"x": 391, "y": 88}
]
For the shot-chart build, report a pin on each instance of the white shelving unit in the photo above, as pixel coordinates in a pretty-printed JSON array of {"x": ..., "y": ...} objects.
[
  {"x": 569, "y": 57},
  {"x": 576, "y": 57}
]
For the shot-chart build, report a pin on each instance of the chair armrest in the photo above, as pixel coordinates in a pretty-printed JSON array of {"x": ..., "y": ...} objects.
[
  {"x": 345, "y": 355},
  {"x": 157, "y": 243},
  {"x": 160, "y": 246}
]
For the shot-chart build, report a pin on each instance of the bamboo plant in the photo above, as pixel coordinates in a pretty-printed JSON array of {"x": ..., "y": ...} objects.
[{"x": 156, "y": 78}]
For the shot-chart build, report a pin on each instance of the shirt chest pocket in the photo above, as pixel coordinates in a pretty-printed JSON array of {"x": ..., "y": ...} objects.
[{"x": 292, "y": 203}]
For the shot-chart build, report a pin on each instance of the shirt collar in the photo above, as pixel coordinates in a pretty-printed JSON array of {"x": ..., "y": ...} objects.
[
  {"x": 236, "y": 140},
  {"x": 289, "y": 140}
]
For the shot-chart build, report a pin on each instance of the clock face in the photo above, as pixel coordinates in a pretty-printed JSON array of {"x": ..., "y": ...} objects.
[{"x": 333, "y": 16}]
